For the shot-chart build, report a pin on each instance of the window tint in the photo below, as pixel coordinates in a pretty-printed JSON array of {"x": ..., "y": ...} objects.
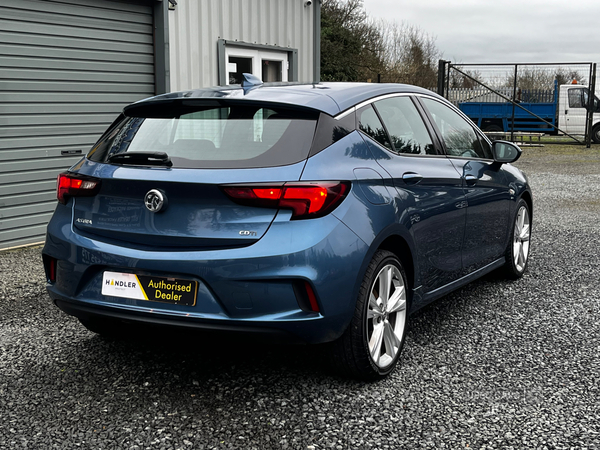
[
  {"x": 575, "y": 98},
  {"x": 405, "y": 126},
  {"x": 330, "y": 130},
  {"x": 458, "y": 134},
  {"x": 596, "y": 101},
  {"x": 586, "y": 99},
  {"x": 486, "y": 148},
  {"x": 369, "y": 123},
  {"x": 216, "y": 137}
]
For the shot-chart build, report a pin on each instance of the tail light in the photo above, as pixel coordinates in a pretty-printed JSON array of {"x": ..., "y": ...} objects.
[
  {"x": 306, "y": 199},
  {"x": 75, "y": 185}
]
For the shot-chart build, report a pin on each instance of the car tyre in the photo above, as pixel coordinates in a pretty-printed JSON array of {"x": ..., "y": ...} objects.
[
  {"x": 517, "y": 251},
  {"x": 596, "y": 134},
  {"x": 371, "y": 345},
  {"x": 492, "y": 128}
]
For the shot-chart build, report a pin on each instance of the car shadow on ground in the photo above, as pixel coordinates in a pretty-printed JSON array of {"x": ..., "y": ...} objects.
[{"x": 198, "y": 356}]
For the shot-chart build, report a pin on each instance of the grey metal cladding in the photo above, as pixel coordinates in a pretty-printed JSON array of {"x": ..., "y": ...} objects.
[
  {"x": 197, "y": 26},
  {"x": 67, "y": 68}
]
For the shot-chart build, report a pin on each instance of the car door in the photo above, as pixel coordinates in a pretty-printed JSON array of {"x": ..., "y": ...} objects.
[
  {"x": 575, "y": 110},
  {"x": 429, "y": 189},
  {"x": 487, "y": 193}
]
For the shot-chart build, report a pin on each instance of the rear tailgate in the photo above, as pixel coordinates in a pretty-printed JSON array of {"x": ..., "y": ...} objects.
[
  {"x": 203, "y": 144},
  {"x": 195, "y": 212}
]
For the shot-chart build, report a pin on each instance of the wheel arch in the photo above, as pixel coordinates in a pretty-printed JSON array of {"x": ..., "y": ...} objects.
[
  {"x": 526, "y": 196},
  {"x": 395, "y": 239},
  {"x": 398, "y": 246},
  {"x": 596, "y": 133},
  {"x": 492, "y": 124}
]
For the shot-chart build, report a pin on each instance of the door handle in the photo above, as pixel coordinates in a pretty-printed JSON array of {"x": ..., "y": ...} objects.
[
  {"x": 471, "y": 180},
  {"x": 411, "y": 177}
]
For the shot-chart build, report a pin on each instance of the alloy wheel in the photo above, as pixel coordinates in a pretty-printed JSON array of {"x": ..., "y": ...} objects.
[
  {"x": 521, "y": 239},
  {"x": 386, "y": 316}
]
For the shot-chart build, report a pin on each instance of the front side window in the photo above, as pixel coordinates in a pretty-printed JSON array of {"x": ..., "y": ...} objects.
[
  {"x": 405, "y": 126},
  {"x": 458, "y": 134},
  {"x": 586, "y": 100},
  {"x": 576, "y": 98},
  {"x": 215, "y": 136}
]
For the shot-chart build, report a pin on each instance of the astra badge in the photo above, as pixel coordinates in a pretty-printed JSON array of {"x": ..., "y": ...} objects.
[{"x": 155, "y": 200}]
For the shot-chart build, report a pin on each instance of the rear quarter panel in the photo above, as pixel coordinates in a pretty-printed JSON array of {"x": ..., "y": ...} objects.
[{"x": 373, "y": 209}]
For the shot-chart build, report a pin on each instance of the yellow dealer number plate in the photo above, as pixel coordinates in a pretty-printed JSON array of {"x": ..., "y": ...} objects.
[{"x": 143, "y": 287}]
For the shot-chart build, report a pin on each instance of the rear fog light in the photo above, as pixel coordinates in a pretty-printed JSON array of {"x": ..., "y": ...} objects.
[
  {"x": 305, "y": 295},
  {"x": 50, "y": 267}
]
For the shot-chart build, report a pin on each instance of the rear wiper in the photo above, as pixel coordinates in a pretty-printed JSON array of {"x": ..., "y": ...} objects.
[{"x": 141, "y": 158}]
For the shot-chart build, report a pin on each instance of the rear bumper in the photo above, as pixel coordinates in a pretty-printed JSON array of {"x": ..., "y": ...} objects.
[
  {"x": 85, "y": 311},
  {"x": 248, "y": 289}
]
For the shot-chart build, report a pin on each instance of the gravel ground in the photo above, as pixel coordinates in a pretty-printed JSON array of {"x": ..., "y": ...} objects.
[{"x": 497, "y": 364}]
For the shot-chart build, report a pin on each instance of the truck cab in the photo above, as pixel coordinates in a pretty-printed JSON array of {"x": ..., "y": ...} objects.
[{"x": 573, "y": 100}]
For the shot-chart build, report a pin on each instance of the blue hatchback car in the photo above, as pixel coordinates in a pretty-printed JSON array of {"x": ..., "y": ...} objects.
[{"x": 318, "y": 213}]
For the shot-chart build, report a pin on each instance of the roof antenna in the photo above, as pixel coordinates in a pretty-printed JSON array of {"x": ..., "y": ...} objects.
[{"x": 250, "y": 82}]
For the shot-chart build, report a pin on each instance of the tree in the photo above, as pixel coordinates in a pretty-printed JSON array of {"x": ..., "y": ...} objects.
[
  {"x": 542, "y": 78},
  {"x": 409, "y": 53},
  {"x": 350, "y": 45},
  {"x": 355, "y": 48},
  {"x": 467, "y": 80},
  {"x": 566, "y": 76}
]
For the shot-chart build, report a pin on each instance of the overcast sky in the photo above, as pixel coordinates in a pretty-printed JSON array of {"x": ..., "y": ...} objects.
[{"x": 480, "y": 31}]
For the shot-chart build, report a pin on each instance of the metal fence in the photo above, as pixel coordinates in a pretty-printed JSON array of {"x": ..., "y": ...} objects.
[
  {"x": 479, "y": 94},
  {"x": 523, "y": 98}
]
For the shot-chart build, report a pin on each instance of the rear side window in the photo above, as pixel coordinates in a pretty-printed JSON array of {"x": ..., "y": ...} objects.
[
  {"x": 217, "y": 136},
  {"x": 405, "y": 126},
  {"x": 369, "y": 123}
]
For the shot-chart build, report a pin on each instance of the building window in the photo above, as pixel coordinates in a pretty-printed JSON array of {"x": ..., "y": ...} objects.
[
  {"x": 236, "y": 66},
  {"x": 272, "y": 70},
  {"x": 269, "y": 63}
]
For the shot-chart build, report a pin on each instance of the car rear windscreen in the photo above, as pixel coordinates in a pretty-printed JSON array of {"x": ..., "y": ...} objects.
[{"x": 214, "y": 136}]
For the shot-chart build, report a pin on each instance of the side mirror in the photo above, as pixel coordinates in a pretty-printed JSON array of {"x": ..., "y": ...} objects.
[{"x": 506, "y": 152}]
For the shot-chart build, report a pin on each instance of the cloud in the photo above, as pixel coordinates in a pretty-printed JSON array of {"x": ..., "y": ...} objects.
[{"x": 479, "y": 31}]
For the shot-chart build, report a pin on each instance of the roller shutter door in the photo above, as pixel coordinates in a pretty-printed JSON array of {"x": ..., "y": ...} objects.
[{"x": 67, "y": 68}]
